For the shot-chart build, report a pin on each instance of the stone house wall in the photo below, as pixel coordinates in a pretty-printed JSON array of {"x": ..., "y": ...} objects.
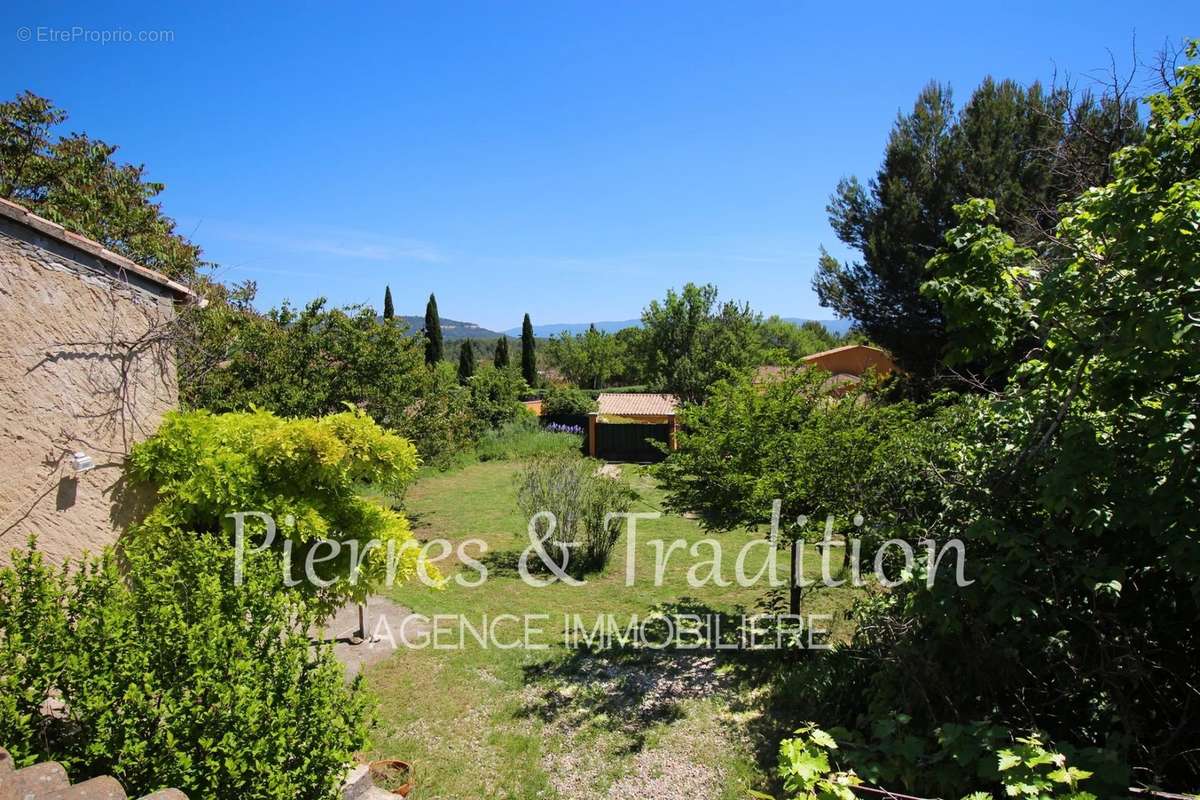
[{"x": 84, "y": 366}]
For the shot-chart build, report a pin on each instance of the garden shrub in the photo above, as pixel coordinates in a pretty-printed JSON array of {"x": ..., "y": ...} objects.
[
  {"x": 297, "y": 362},
  {"x": 569, "y": 487},
  {"x": 302, "y": 472},
  {"x": 567, "y": 401},
  {"x": 974, "y": 761},
  {"x": 167, "y": 674},
  {"x": 440, "y": 421},
  {"x": 495, "y": 397},
  {"x": 790, "y": 439},
  {"x": 525, "y": 438},
  {"x": 1071, "y": 482}
]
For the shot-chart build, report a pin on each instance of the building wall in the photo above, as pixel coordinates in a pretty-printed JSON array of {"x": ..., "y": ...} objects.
[
  {"x": 83, "y": 367},
  {"x": 852, "y": 360}
]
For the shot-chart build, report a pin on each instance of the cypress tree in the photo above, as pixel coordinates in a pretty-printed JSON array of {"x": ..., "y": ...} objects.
[
  {"x": 466, "y": 361},
  {"x": 433, "y": 332},
  {"x": 501, "y": 357},
  {"x": 528, "y": 356},
  {"x": 389, "y": 312}
]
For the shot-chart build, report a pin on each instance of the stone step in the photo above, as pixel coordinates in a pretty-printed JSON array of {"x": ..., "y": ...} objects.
[
  {"x": 39, "y": 781},
  {"x": 103, "y": 788},
  {"x": 48, "y": 781}
]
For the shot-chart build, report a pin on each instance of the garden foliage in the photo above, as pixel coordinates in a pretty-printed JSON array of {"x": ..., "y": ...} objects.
[
  {"x": 1073, "y": 486},
  {"x": 166, "y": 674},
  {"x": 820, "y": 454},
  {"x": 523, "y": 438},
  {"x": 812, "y": 764},
  {"x": 74, "y": 180},
  {"x": 495, "y": 397},
  {"x": 581, "y": 536},
  {"x": 1028, "y": 148},
  {"x": 567, "y": 401},
  {"x": 304, "y": 473}
]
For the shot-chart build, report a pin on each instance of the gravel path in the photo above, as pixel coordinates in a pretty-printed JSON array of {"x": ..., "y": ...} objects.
[{"x": 604, "y": 708}]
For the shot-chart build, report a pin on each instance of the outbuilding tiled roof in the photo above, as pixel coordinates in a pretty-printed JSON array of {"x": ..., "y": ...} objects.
[{"x": 626, "y": 404}]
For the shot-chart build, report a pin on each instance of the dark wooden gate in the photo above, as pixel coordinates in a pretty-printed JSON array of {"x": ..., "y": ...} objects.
[{"x": 630, "y": 442}]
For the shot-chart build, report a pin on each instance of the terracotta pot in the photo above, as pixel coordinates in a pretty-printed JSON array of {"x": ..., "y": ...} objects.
[{"x": 395, "y": 768}]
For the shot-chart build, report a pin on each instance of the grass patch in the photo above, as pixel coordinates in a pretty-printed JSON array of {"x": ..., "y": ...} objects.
[
  {"x": 553, "y": 721},
  {"x": 524, "y": 438}
]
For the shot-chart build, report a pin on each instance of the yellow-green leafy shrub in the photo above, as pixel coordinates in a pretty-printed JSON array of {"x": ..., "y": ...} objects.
[{"x": 303, "y": 473}]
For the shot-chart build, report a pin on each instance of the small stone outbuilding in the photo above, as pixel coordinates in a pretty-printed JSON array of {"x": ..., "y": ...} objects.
[{"x": 87, "y": 368}]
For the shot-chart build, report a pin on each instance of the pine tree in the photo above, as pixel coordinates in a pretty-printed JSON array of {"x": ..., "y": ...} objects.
[
  {"x": 389, "y": 312},
  {"x": 1015, "y": 145},
  {"x": 433, "y": 332},
  {"x": 500, "y": 359},
  {"x": 528, "y": 356},
  {"x": 466, "y": 361}
]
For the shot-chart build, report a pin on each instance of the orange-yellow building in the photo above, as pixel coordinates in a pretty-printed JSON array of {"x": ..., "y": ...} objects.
[{"x": 846, "y": 365}]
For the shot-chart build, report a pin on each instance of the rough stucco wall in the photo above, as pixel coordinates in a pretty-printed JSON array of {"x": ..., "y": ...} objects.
[{"x": 80, "y": 369}]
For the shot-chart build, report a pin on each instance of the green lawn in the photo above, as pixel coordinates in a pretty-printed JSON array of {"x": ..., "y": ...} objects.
[{"x": 564, "y": 722}]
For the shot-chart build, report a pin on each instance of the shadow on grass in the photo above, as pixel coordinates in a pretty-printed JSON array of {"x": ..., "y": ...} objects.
[
  {"x": 506, "y": 564},
  {"x": 631, "y": 689},
  {"x": 501, "y": 563}
]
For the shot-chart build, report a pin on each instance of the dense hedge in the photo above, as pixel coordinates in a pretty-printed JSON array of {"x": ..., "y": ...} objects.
[{"x": 167, "y": 674}]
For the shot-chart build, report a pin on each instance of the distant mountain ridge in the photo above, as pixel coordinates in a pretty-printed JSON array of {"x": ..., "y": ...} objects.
[
  {"x": 554, "y": 329},
  {"x": 837, "y": 327},
  {"x": 453, "y": 330}
]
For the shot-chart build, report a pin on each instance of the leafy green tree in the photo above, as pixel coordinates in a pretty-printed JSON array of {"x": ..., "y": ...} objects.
[
  {"x": 787, "y": 342},
  {"x": 466, "y": 361},
  {"x": 1025, "y": 148},
  {"x": 495, "y": 397},
  {"x": 500, "y": 359},
  {"x": 433, "y": 333},
  {"x": 528, "y": 353},
  {"x": 302, "y": 363},
  {"x": 790, "y": 439},
  {"x": 75, "y": 182},
  {"x": 588, "y": 359},
  {"x": 313, "y": 362},
  {"x": 1086, "y": 446},
  {"x": 1072, "y": 488},
  {"x": 688, "y": 341},
  {"x": 628, "y": 342},
  {"x": 389, "y": 311},
  {"x": 440, "y": 420}
]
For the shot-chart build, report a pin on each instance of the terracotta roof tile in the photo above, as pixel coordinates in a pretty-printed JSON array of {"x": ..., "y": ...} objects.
[
  {"x": 629, "y": 404},
  {"x": 19, "y": 213}
]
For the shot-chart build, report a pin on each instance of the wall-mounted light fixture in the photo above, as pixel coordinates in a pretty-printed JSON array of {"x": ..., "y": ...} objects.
[{"x": 82, "y": 462}]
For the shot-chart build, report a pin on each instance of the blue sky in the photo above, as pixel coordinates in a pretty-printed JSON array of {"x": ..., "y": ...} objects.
[{"x": 568, "y": 159}]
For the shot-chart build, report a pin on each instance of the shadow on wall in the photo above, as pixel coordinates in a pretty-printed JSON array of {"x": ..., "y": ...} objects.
[
  {"x": 68, "y": 491},
  {"x": 130, "y": 504}
]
